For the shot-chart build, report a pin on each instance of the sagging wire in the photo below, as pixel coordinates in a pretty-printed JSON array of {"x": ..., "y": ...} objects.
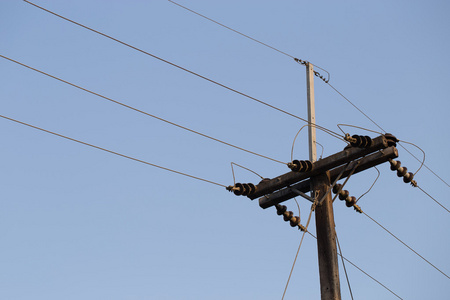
[
  {"x": 370, "y": 186},
  {"x": 232, "y": 170},
  {"x": 298, "y": 132}
]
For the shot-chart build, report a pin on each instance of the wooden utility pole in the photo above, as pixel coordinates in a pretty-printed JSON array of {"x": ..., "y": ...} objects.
[
  {"x": 314, "y": 176},
  {"x": 325, "y": 228}
]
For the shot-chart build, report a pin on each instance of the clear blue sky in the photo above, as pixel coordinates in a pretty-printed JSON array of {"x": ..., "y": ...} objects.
[{"x": 79, "y": 223}]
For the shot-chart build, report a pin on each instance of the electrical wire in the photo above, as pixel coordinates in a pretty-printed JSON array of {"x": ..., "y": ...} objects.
[
  {"x": 345, "y": 269},
  {"x": 326, "y": 81},
  {"x": 433, "y": 198},
  {"x": 362, "y": 271},
  {"x": 376, "y": 179},
  {"x": 181, "y": 68},
  {"x": 357, "y": 108},
  {"x": 232, "y": 170},
  {"x": 249, "y": 37},
  {"x": 313, "y": 206},
  {"x": 113, "y": 152},
  {"x": 141, "y": 111},
  {"x": 415, "y": 252}
]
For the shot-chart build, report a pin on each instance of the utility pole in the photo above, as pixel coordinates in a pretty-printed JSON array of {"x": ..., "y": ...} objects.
[
  {"x": 362, "y": 153},
  {"x": 325, "y": 227}
]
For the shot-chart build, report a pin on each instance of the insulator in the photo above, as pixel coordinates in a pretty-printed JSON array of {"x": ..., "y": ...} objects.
[
  {"x": 280, "y": 209},
  {"x": 295, "y": 165},
  {"x": 294, "y": 221},
  {"x": 365, "y": 140},
  {"x": 350, "y": 201},
  {"x": 246, "y": 189},
  {"x": 309, "y": 165},
  {"x": 369, "y": 141},
  {"x": 238, "y": 189},
  {"x": 408, "y": 177},
  {"x": 395, "y": 164},
  {"x": 402, "y": 171},
  {"x": 300, "y": 165},
  {"x": 391, "y": 140},
  {"x": 343, "y": 195},
  {"x": 356, "y": 140},
  {"x": 336, "y": 188},
  {"x": 287, "y": 215}
]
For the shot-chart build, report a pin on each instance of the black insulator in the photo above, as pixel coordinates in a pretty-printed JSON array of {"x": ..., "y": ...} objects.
[
  {"x": 408, "y": 177},
  {"x": 336, "y": 188},
  {"x": 252, "y": 188},
  {"x": 343, "y": 195},
  {"x": 395, "y": 164},
  {"x": 369, "y": 141},
  {"x": 357, "y": 141},
  {"x": 364, "y": 141},
  {"x": 391, "y": 139},
  {"x": 402, "y": 171},
  {"x": 239, "y": 189},
  {"x": 303, "y": 166},
  {"x": 295, "y": 166},
  {"x": 287, "y": 215},
  {"x": 246, "y": 189},
  {"x": 294, "y": 221},
  {"x": 350, "y": 202},
  {"x": 280, "y": 209},
  {"x": 309, "y": 165}
]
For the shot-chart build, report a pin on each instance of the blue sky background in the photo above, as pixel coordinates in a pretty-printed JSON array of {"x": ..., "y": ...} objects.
[{"x": 79, "y": 223}]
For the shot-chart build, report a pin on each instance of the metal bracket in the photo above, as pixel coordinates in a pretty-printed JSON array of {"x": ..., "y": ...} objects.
[{"x": 301, "y": 194}]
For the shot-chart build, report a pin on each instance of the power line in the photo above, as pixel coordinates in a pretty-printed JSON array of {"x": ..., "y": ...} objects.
[
  {"x": 433, "y": 199},
  {"x": 315, "y": 73},
  {"x": 415, "y": 252},
  {"x": 113, "y": 152},
  {"x": 364, "y": 272},
  {"x": 253, "y": 39},
  {"x": 184, "y": 69},
  {"x": 376, "y": 124},
  {"x": 140, "y": 111}
]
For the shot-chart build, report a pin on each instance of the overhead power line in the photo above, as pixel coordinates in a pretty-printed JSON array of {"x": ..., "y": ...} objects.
[
  {"x": 414, "y": 251},
  {"x": 253, "y": 39},
  {"x": 112, "y": 152},
  {"x": 138, "y": 110},
  {"x": 335, "y": 134},
  {"x": 316, "y": 73}
]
